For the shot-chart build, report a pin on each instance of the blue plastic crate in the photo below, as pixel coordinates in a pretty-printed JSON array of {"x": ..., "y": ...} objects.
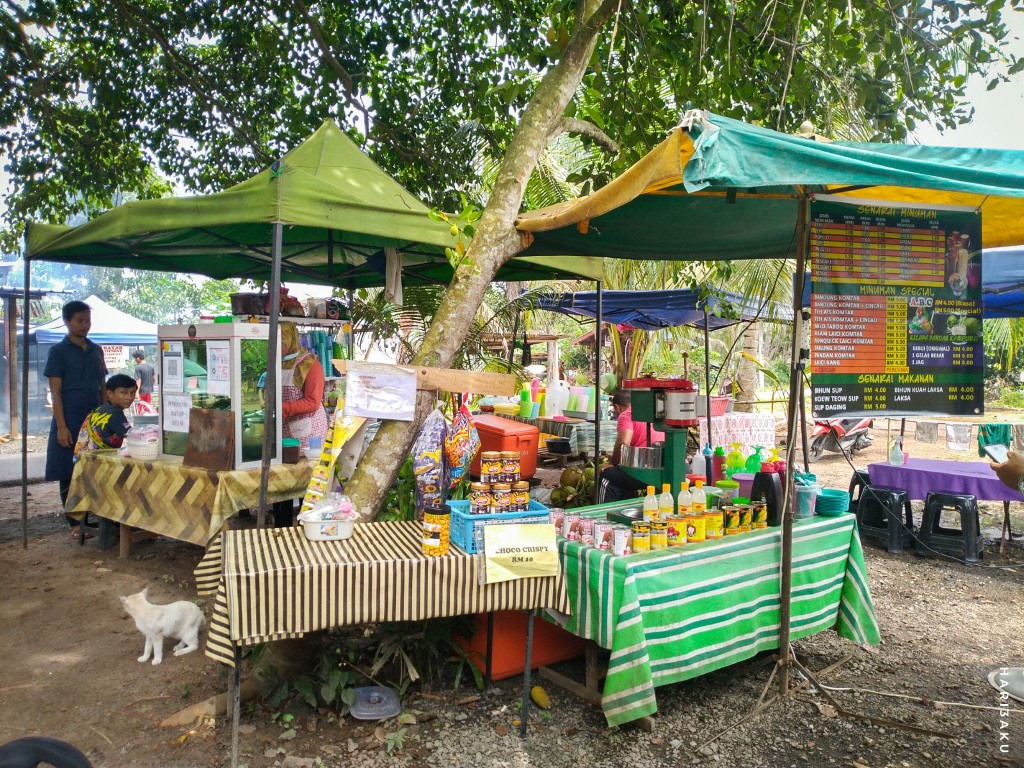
[{"x": 466, "y": 530}]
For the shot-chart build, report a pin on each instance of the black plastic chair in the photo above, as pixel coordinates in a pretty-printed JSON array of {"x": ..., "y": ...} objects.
[
  {"x": 884, "y": 514},
  {"x": 965, "y": 540}
]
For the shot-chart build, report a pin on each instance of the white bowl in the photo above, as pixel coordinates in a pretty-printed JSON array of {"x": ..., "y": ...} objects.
[{"x": 312, "y": 454}]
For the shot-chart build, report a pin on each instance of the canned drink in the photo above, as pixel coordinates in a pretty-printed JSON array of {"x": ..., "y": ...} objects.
[
  {"x": 479, "y": 498},
  {"x": 622, "y": 540},
  {"x": 696, "y": 527},
  {"x": 759, "y": 514},
  {"x": 746, "y": 517},
  {"x": 510, "y": 466},
  {"x": 641, "y": 540},
  {"x": 676, "y": 530},
  {"x": 714, "y": 527},
  {"x": 501, "y": 498},
  {"x": 556, "y": 516},
  {"x": 587, "y": 531},
  {"x": 659, "y": 535},
  {"x": 731, "y": 518},
  {"x": 604, "y": 533},
  {"x": 571, "y": 526},
  {"x": 521, "y": 496},
  {"x": 490, "y": 467}
]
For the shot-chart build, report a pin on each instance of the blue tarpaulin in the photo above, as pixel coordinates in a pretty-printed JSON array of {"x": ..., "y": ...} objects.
[{"x": 653, "y": 310}]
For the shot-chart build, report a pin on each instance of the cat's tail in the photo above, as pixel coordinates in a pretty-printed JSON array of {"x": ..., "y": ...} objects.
[{"x": 32, "y": 750}]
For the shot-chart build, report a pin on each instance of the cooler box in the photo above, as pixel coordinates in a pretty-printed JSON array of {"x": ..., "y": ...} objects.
[
  {"x": 498, "y": 434},
  {"x": 551, "y": 644}
]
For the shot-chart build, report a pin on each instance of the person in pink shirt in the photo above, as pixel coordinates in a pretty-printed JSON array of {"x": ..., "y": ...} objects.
[{"x": 621, "y": 485}]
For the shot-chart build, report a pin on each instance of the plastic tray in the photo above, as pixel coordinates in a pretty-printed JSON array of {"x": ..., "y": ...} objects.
[{"x": 464, "y": 526}]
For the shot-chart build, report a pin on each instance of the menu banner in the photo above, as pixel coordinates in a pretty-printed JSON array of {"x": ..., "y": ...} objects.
[{"x": 896, "y": 309}]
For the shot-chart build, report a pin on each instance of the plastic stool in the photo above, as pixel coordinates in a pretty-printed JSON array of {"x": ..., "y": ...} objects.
[
  {"x": 878, "y": 516},
  {"x": 966, "y": 540},
  {"x": 857, "y": 482}
]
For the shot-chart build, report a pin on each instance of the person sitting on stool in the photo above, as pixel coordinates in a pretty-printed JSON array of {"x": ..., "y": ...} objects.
[{"x": 628, "y": 432}]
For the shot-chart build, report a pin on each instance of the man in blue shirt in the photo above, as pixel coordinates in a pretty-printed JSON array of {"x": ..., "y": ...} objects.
[{"x": 76, "y": 373}]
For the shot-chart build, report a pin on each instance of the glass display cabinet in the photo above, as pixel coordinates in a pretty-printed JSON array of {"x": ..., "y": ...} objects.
[{"x": 217, "y": 366}]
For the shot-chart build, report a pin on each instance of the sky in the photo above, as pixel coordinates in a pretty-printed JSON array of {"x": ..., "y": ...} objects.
[{"x": 999, "y": 114}]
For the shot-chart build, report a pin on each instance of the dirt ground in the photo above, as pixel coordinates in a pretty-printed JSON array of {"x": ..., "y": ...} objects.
[{"x": 69, "y": 670}]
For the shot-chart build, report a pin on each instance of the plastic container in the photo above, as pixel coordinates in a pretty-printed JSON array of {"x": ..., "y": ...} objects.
[
  {"x": 498, "y": 434},
  {"x": 375, "y": 702},
  {"x": 143, "y": 450},
  {"x": 320, "y": 526},
  {"x": 806, "y": 498},
  {"x": 551, "y": 644},
  {"x": 746, "y": 481},
  {"x": 466, "y": 530}
]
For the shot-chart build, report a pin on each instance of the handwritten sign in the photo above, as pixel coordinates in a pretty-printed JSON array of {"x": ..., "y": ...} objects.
[
  {"x": 380, "y": 391},
  {"x": 176, "y": 409},
  {"x": 114, "y": 356},
  {"x": 519, "y": 552}
]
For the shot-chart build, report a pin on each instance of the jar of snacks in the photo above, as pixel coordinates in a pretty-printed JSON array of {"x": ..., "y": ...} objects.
[
  {"x": 479, "y": 498},
  {"x": 520, "y": 496},
  {"x": 490, "y": 467},
  {"x": 501, "y": 498},
  {"x": 510, "y": 466}
]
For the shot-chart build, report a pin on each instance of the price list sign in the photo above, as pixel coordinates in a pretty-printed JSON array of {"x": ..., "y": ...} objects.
[{"x": 895, "y": 309}]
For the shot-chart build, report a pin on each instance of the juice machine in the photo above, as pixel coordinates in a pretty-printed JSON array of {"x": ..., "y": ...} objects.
[
  {"x": 215, "y": 366},
  {"x": 670, "y": 406}
]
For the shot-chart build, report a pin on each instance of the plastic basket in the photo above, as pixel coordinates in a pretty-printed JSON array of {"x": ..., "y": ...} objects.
[
  {"x": 143, "y": 450},
  {"x": 467, "y": 529},
  {"x": 719, "y": 404}
]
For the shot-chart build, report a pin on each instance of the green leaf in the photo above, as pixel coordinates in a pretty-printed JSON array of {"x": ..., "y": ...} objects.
[{"x": 306, "y": 689}]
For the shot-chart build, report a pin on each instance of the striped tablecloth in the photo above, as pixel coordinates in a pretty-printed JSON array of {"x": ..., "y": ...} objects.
[
  {"x": 274, "y": 583},
  {"x": 676, "y": 614},
  {"x": 166, "y": 497}
]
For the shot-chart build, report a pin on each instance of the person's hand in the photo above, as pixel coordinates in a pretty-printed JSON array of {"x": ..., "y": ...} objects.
[
  {"x": 1011, "y": 470},
  {"x": 64, "y": 437}
]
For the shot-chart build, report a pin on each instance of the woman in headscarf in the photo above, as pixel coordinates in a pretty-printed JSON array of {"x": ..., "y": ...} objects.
[
  {"x": 302, "y": 389},
  {"x": 302, "y": 394}
]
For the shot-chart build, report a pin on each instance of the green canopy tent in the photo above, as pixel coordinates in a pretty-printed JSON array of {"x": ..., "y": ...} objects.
[
  {"x": 324, "y": 214},
  {"x": 719, "y": 189}
]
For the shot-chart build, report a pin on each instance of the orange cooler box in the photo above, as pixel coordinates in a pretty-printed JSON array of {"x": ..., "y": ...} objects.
[
  {"x": 498, "y": 434},
  {"x": 551, "y": 644}
]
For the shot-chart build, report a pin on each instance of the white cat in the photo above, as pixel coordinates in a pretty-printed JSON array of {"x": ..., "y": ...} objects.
[{"x": 181, "y": 620}]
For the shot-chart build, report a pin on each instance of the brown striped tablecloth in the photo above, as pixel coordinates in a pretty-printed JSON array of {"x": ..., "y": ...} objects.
[
  {"x": 166, "y": 497},
  {"x": 274, "y": 583}
]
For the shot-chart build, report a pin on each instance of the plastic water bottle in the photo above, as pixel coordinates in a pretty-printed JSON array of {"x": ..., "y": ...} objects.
[
  {"x": 666, "y": 504},
  {"x": 684, "y": 500},
  {"x": 718, "y": 463},
  {"x": 651, "y": 505}
]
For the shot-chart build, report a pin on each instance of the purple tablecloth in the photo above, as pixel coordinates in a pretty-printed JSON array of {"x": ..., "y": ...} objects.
[{"x": 918, "y": 476}]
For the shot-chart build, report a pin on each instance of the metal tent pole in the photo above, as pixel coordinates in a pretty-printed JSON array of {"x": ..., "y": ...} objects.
[
  {"x": 598, "y": 344},
  {"x": 273, "y": 353},
  {"x": 24, "y": 405},
  {"x": 795, "y": 374},
  {"x": 707, "y": 379}
]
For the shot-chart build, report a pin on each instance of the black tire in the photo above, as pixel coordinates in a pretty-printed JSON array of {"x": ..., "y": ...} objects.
[{"x": 817, "y": 448}]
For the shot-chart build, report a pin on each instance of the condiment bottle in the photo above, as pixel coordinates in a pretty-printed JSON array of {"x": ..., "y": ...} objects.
[
  {"x": 650, "y": 505},
  {"x": 666, "y": 504},
  {"x": 684, "y": 500},
  {"x": 708, "y": 463},
  {"x": 700, "y": 499},
  {"x": 734, "y": 462},
  {"x": 718, "y": 464}
]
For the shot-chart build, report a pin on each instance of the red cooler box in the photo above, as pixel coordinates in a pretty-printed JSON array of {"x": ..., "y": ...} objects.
[
  {"x": 498, "y": 434},
  {"x": 551, "y": 644}
]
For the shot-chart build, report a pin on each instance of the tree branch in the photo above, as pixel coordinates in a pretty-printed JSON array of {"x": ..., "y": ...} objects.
[{"x": 584, "y": 128}]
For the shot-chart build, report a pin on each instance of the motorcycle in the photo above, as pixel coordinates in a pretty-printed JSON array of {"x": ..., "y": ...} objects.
[{"x": 839, "y": 436}]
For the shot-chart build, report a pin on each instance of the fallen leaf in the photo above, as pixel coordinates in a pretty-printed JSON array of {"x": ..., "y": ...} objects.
[
  {"x": 825, "y": 710},
  {"x": 468, "y": 700},
  {"x": 407, "y": 718},
  {"x": 501, "y": 729},
  {"x": 380, "y": 734}
]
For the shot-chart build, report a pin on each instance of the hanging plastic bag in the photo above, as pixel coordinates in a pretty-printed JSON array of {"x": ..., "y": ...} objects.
[
  {"x": 461, "y": 446},
  {"x": 428, "y": 464}
]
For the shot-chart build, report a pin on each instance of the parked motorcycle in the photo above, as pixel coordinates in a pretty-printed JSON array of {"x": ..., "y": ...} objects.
[{"x": 839, "y": 436}]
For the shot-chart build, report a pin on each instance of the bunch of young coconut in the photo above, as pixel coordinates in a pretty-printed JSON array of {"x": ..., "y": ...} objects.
[{"x": 575, "y": 488}]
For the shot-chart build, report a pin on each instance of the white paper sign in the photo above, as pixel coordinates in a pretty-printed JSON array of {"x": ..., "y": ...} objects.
[
  {"x": 176, "y": 408},
  {"x": 218, "y": 367},
  {"x": 173, "y": 367},
  {"x": 523, "y": 551},
  {"x": 114, "y": 356},
  {"x": 380, "y": 391}
]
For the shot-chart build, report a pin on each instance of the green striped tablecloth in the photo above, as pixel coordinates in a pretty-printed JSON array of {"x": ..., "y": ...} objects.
[{"x": 676, "y": 614}]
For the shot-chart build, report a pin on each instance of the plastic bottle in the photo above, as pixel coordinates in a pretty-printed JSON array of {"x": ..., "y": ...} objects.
[
  {"x": 700, "y": 499},
  {"x": 666, "y": 504},
  {"x": 684, "y": 500},
  {"x": 708, "y": 462},
  {"x": 697, "y": 464},
  {"x": 780, "y": 466},
  {"x": 718, "y": 464},
  {"x": 896, "y": 452},
  {"x": 734, "y": 462},
  {"x": 650, "y": 505},
  {"x": 754, "y": 460}
]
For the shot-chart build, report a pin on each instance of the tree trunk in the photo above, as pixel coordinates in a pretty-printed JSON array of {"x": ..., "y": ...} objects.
[
  {"x": 495, "y": 242},
  {"x": 747, "y": 375}
]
